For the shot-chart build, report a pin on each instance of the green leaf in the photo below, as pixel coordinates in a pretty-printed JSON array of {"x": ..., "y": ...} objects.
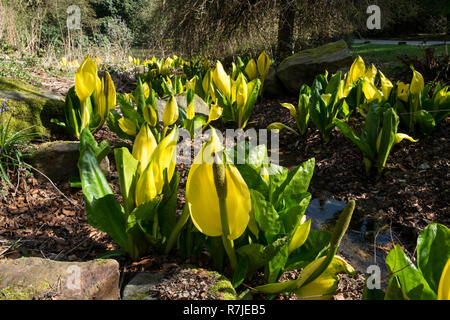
[
  {"x": 253, "y": 179},
  {"x": 258, "y": 255},
  {"x": 296, "y": 182},
  {"x": 411, "y": 281},
  {"x": 276, "y": 265},
  {"x": 107, "y": 215},
  {"x": 92, "y": 178},
  {"x": 113, "y": 125},
  {"x": 240, "y": 273},
  {"x": 390, "y": 125},
  {"x": 293, "y": 214},
  {"x": 426, "y": 121},
  {"x": 265, "y": 214},
  {"x": 168, "y": 208},
  {"x": 126, "y": 166},
  {"x": 358, "y": 141},
  {"x": 433, "y": 251},
  {"x": 315, "y": 246}
]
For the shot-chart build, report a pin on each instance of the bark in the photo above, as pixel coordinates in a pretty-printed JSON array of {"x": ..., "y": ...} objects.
[{"x": 286, "y": 23}]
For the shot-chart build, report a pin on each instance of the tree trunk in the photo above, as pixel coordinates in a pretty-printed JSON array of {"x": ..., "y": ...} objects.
[{"x": 286, "y": 29}]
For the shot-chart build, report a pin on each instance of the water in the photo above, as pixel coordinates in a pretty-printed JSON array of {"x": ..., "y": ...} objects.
[{"x": 365, "y": 239}]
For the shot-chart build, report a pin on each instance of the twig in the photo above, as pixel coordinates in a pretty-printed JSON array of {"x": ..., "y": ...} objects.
[{"x": 51, "y": 182}]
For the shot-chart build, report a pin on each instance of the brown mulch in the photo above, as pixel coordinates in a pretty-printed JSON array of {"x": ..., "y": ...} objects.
[{"x": 36, "y": 220}]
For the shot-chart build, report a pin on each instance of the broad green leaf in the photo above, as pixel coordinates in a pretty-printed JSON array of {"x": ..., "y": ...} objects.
[
  {"x": 265, "y": 214},
  {"x": 107, "y": 215},
  {"x": 412, "y": 283},
  {"x": 296, "y": 182},
  {"x": 433, "y": 251},
  {"x": 296, "y": 207},
  {"x": 127, "y": 166},
  {"x": 314, "y": 247},
  {"x": 168, "y": 208},
  {"x": 253, "y": 179},
  {"x": 241, "y": 272},
  {"x": 276, "y": 265},
  {"x": 360, "y": 143},
  {"x": 94, "y": 183}
]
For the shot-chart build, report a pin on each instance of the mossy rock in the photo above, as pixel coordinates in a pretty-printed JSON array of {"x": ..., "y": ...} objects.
[
  {"x": 30, "y": 106},
  {"x": 304, "y": 66}
]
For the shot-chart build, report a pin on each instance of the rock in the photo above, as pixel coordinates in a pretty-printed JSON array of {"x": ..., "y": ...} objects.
[
  {"x": 36, "y": 278},
  {"x": 201, "y": 107},
  {"x": 31, "y": 106},
  {"x": 304, "y": 66},
  {"x": 143, "y": 286},
  {"x": 58, "y": 160},
  {"x": 273, "y": 88},
  {"x": 182, "y": 283}
]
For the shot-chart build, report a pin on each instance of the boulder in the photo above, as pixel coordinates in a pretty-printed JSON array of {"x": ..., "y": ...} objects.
[
  {"x": 201, "y": 107},
  {"x": 273, "y": 88},
  {"x": 182, "y": 283},
  {"x": 304, "y": 66},
  {"x": 36, "y": 278},
  {"x": 58, "y": 160},
  {"x": 31, "y": 106}
]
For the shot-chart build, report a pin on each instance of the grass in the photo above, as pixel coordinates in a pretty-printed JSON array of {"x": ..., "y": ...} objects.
[{"x": 389, "y": 52}]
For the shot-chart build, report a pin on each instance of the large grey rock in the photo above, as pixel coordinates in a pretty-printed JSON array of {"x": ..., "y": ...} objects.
[
  {"x": 273, "y": 88},
  {"x": 305, "y": 65},
  {"x": 201, "y": 107},
  {"x": 36, "y": 278},
  {"x": 58, "y": 160},
  {"x": 31, "y": 106}
]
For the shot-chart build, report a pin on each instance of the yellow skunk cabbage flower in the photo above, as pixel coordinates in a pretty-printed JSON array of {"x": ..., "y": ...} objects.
[
  {"x": 204, "y": 206},
  {"x": 151, "y": 182},
  {"x": 291, "y": 109},
  {"x": 371, "y": 73},
  {"x": 106, "y": 99},
  {"x": 143, "y": 147},
  {"x": 444, "y": 283},
  {"x": 263, "y": 64},
  {"x": 190, "y": 110},
  {"x": 63, "y": 62},
  {"x": 386, "y": 85},
  {"x": 300, "y": 236},
  {"x": 441, "y": 96},
  {"x": 190, "y": 84},
  {"x": 86, "y": 79},
  {"x": 403, "y": 91},
  {"x": 417, "y": 83},
  {"x": 324, "y": 286},
  {"x": 397, "y": 139},
  {"x": 127, "y": 126},
  {"x": 357, "y": 70},
  {"x": 250, "y": 69},
  {"x": 150, "y": 115},
  {"x": 370, "y": 91},
  {"x": 400, "y": 136},
  {"x": 241, "y": 91},
  {"x": 146, "y": 90},
  {"x": 326, "y": 97},
  {"x": 214, "y": 113},
  {"x": 170, "y": 115},
  {"x": 222, "y": 80}
]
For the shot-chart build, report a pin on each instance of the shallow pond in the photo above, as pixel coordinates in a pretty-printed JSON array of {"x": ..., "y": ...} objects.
[{"x": 366, "y": 241}]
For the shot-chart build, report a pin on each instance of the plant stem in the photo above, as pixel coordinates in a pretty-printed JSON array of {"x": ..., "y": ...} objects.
[{"x": 177, "y": 229}]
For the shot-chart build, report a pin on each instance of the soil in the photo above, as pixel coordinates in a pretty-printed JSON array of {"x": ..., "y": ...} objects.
[{"x": 48, "y": 220}]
